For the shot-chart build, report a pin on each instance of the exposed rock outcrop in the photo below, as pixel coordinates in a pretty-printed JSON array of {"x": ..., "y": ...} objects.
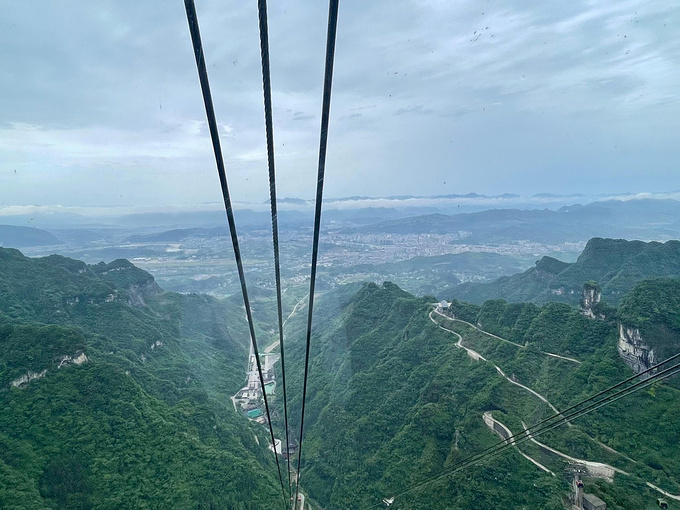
[
  {"x": 590, "y": 298},
  {"x": 27, "y": 377},
  {"x": 139, "y": 292},
  {"x": 76, "y": 360},
  {"x": 61, "y": 361},
  {"x": 636, "y": 354}
]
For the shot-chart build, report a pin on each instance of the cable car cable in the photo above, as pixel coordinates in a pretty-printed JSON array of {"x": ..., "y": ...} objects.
[
  {"x": 508, "y": 443},
  {"x": 192, "y": 20},
  {"x": 325, "y": 116},
  {"x": 269, "y": 128},
  {"x": 528, "y": 433},
  {"x": 591, "y": 398}
]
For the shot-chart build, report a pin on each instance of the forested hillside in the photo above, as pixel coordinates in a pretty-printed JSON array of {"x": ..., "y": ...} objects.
[
  {"x": 115, "y": 394},
  {"x": 615, "y": 264},
  {"x": 653, "y": 307},
  {"x": 399, "y": 392}
]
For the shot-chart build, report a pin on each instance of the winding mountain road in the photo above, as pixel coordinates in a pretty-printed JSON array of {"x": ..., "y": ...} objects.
[
  {"x": 505, "y": 433},
  {"x": 478, "y": 357},
  {"x": 596, "y": 469},
  {"x": 552, "y": 355}
]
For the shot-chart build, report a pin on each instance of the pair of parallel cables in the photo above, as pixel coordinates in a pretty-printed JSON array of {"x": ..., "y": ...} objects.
[{"x": 192, "y": 19}]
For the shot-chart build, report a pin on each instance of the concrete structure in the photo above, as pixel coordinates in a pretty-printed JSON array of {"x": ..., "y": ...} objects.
[
  {"x": 592, "y": 502},
  {"x": 577, "y": 486},
  {"x": 254, "y": 413}
]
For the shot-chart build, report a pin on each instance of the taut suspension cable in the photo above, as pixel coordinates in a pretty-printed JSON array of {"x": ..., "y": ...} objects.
[
  {"x": 192, "y": 19},
  {"x": 325, "y": 116},
  {"x": 269, "y": 128}
]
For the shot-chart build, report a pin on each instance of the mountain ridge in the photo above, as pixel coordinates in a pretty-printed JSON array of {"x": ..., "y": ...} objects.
[
  {"x": 117, "y": 393},
  {"x": 394, "y": 401},
  {"x": 615, "y": 264}
]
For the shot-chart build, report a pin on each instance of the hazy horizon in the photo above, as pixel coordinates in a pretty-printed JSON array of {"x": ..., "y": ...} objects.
[
  {"x": 464, "y": 203},
  {"x": 100, "y": 103}
]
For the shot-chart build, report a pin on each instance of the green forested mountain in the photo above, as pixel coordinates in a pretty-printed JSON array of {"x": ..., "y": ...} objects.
[
  {"x": 653, "y": 306},
  {"x": 393, "y": 401},
  {"x": 115, "y": 394},
  {"x": 615, "y": 264}
]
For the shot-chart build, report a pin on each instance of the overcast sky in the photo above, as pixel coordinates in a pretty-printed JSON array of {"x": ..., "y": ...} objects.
[{"x": 100, "y": 102}]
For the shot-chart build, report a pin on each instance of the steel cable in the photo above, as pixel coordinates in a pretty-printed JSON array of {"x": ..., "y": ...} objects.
[
  {"x": 192, "y": 20},
  {"x": 529, "y": 433},
  {"x": 269, "y": 128},
  {"x": 325, "y": 116}
]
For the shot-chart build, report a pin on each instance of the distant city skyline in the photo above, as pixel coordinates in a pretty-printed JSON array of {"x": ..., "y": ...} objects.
[{"x": 100, "y": 103}]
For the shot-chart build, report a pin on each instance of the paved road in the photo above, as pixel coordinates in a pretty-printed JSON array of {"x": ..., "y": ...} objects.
[
  {"x": 270, "y": 347},
  {"x": 672, "y": 496},
  {"x": 478, "y": 357},
  {"x": 596, "y": 469},
  {"x": 558, "y": 356},
  {"x": 507, "y": 433}
]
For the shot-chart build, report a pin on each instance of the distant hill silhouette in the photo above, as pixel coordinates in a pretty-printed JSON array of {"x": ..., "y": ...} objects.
[{"x": 616, "y": 264}]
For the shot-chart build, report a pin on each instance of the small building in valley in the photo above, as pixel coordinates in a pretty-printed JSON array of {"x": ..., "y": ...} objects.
[
  {"x": 592, "y": 502},
  {"x": 254, "y": 413}
]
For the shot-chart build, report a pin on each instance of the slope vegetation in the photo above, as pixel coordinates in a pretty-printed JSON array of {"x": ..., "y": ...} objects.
[
  {"x": 615, "y": 264},
  {"x": 115, "y": 393},
  {"x": 394, "y": 400}
]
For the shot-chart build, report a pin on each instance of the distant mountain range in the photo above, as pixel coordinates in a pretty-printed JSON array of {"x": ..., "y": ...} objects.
[
  {"x": 212, "y": 214},
  {"x": 615, "y": 264},
  {"x": 649, "y": 219},
  {"x": 21, "y": 237},
  {"x": 178, "y": 235},
  {"x": 634, "y": 219}
]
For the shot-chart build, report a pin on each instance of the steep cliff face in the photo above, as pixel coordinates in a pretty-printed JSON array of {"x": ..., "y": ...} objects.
[
  {"x": 650, "y": 323},
  {"x": 27, "y": 377},
  {"x": 590, "y": 298},
  {"x": 636, "y": 354},
  {"x": 139, "y": 284},
  {"x": 140, "y": 292}
]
